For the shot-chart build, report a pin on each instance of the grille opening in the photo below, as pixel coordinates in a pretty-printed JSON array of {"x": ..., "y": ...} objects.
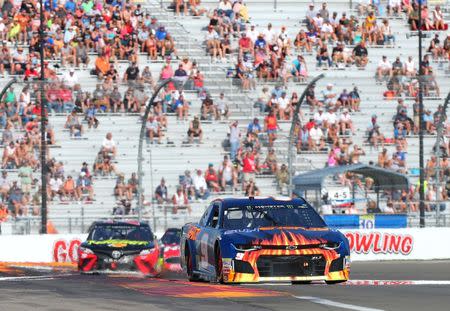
[{"x": 306, "y": 265}]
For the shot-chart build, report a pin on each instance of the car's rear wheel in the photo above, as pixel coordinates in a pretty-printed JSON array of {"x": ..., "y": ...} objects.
[
  {"x": 219, "y": 264},
  {"x": 190, "y": 266},
  {"x": 301, "y": 282},
  {"x": 335, "y": 282}
]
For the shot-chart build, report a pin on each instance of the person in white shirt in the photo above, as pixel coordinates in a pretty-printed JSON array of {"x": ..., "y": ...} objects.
[
  {"x": 71, "y": 78},
  {"x": 318, "y": 21},
  {"x": 345, "y": 122},
  {"x": 387, "y": 32},
  {"x": 212, "y": 42},
  {"x": 328, "y": 31},
  {"x": 200, "y": 186},
  {"x": 55, "y": 184},
  {"x": 329, "y": 118},
  {"x": 109, "y": 145},
  {"x": 283, "y": 103},
  {"x": 316, "y": 138},
  {"x": 410, "y": 67},
  {"x": 384, "y": 68},
  {"x": 252, "y": 33},
  {"x": 310, "y": 14},
  {"x": 319, "y": 117},
  {"x": 270, "y": 35}
]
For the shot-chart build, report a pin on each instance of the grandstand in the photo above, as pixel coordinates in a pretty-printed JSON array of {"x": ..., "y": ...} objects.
[{"x": 176, "y": 154}]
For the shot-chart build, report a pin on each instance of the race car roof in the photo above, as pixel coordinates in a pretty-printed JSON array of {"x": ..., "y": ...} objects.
[
  {"x": 120, "y": 222},
  {"x": 233, "y": 202}
]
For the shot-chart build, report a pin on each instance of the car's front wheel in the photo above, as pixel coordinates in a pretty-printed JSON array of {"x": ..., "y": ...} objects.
[
  {"x": 190, "y": 266},
  {"x": 219, "y": 265}
]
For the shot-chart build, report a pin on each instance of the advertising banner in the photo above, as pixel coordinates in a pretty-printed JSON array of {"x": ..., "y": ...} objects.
[
  {"x": 398, "y": 244},
  {"x": 365, "y": 245}
]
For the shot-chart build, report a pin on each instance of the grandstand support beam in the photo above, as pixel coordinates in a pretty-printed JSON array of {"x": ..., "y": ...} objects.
[
  {"x": 437, "y": 150},
  {"x": 6, "y": 87},
  {"x": 140, "y": 190},
  {"x": 295, "y": 120},
  {"x": 43, "y": 126},
  {"x": 421, "y": 160}
]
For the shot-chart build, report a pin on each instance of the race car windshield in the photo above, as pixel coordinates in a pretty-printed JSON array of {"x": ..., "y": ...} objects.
[
  {"x": 283, "y": 215},
  {"x": 120, "y": 232},
  {"x": 171, "y": 237}
]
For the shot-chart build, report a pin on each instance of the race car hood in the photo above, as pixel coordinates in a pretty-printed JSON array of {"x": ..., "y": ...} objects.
[
  {"x": 126, "y": 245},
  {"x": 282, "y": 236}
]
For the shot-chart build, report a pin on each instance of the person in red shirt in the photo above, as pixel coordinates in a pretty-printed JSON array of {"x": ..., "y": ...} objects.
[
  {"x": 212, "y": 179},
  {"x": 30, "y": 72},
  {"x": 248, "y": 168},
  {"x": 245, "y": 45},
  {"x": 271, "y": 127},
  {"x": 310, "y": 124}
]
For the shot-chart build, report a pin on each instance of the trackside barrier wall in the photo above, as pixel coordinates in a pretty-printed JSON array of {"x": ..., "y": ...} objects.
[{"x": 377, "y": 244}]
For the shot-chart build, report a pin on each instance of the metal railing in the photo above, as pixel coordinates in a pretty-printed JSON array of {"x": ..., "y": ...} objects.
[{"x": 80, "y": 223}]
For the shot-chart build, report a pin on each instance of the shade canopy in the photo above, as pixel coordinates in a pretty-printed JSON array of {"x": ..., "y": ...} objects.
[{"x": 383, "y": 178}]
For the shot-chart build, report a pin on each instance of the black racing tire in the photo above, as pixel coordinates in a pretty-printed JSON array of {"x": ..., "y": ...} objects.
[
  {"x": 189, "y": 266},
  {"x": 301, "y": 282},
  {"x": 219, "y": 264},
  {"x": 335, "y": 282}
]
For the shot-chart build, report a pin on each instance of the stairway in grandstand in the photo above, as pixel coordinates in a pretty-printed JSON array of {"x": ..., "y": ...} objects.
[{"x": 173, "y": 157}]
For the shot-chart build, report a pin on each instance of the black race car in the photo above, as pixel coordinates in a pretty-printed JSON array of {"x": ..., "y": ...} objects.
[{"x": 120, "y": 245}]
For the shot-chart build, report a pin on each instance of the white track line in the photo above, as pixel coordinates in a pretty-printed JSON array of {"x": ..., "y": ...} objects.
[
  {"x": 368, "y": 283},
  {"x": 31, "y": 278},
  {"x": 335, "y": 303}
]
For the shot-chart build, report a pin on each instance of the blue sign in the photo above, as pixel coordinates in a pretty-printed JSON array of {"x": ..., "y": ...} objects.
[{"x": 370, "y": 221}]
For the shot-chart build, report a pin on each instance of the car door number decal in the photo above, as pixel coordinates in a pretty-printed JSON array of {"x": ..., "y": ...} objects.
[{"x": 204, "y": 251}]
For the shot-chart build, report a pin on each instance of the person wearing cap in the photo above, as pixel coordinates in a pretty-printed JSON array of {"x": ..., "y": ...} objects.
[
  {"x": 200, "y": 186},
  {"x": 310, "y": 14}
]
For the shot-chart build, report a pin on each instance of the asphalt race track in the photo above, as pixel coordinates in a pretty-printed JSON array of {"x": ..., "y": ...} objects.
[{"x": 374, "y": 286}]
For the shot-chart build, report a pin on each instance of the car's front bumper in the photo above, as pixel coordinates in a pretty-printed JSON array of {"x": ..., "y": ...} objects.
[
  {"x": 147, "y": 264},
  {"x": 286, "y": 265}
]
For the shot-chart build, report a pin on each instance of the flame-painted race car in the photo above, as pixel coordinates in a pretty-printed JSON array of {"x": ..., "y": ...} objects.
[
  {"x": 124, "y": 245},
  {"x": 170, "y": 248},
  {"x": 263, "y": 239}
]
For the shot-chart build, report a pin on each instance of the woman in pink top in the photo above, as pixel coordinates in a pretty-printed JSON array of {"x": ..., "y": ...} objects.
[{"x": 166, "y": 72}]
